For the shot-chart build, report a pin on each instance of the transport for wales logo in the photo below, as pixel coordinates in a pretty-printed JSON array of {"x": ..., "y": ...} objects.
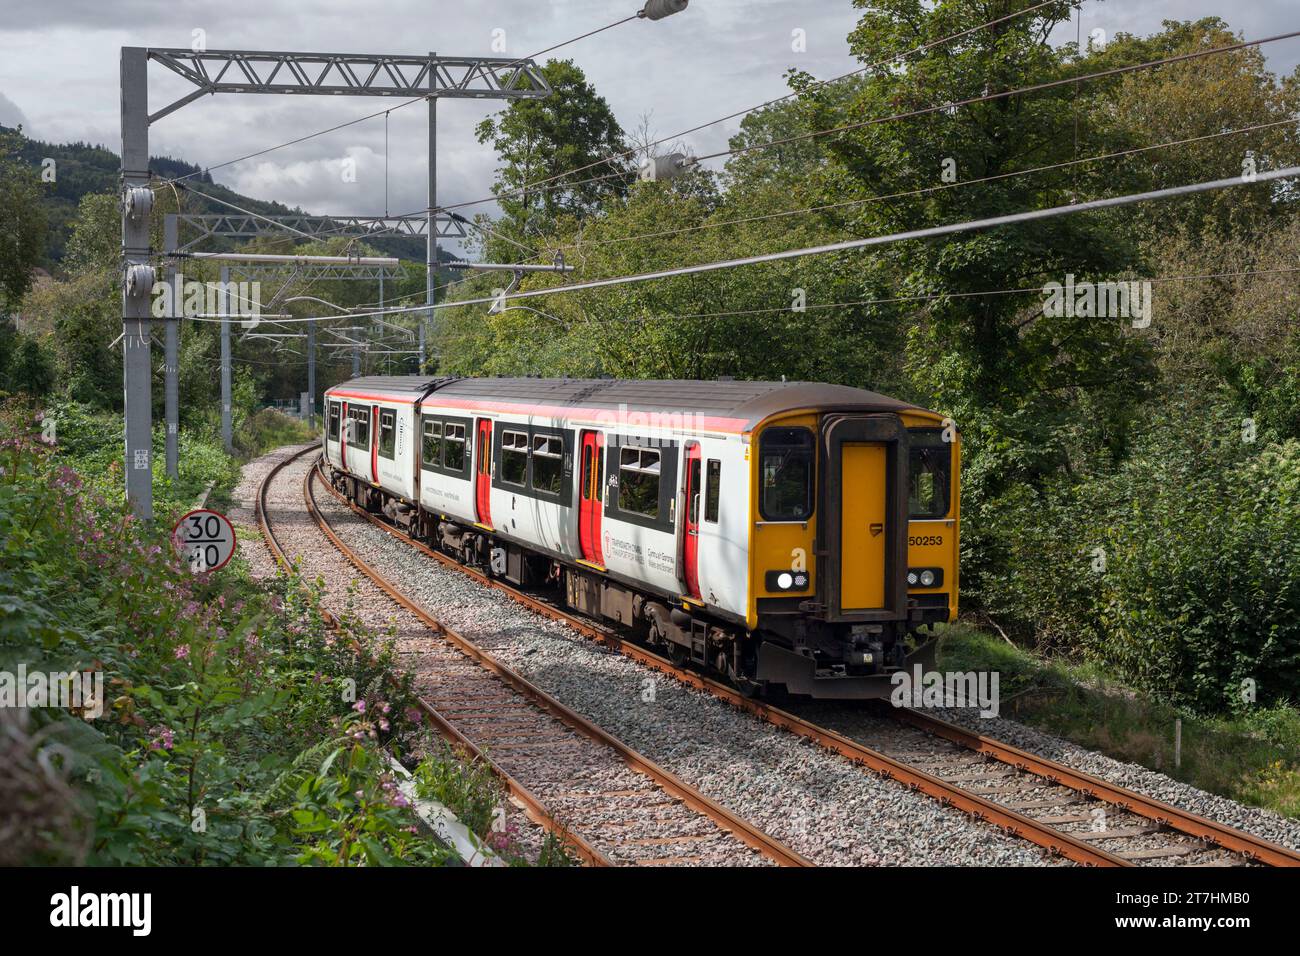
[{"x": 79, "y": 691}]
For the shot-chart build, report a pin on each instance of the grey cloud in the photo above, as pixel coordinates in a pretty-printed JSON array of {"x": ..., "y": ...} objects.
[{"x": 718, "y": 57}]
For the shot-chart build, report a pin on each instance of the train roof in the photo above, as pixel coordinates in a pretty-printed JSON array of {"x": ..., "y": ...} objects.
[{"x": 743, "y": 403}]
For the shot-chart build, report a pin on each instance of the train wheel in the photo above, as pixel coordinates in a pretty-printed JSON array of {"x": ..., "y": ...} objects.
[{"x": 676, "y": 653}]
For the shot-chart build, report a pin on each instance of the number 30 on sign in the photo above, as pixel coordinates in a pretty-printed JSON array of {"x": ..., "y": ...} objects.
[{"x": 204, "y": 538}]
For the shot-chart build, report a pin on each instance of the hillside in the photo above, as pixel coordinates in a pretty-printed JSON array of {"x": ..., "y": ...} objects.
[{"x": 83, "y": 169}]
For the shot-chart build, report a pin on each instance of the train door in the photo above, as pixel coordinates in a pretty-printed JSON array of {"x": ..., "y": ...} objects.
[
  {"x": 483, "y": 472},
  {"x": 862, "y": 573},
  {"x": 691, "y": 529},
  {"x": 862, "y": 525},
  {"x": 593, "y": 494},
  {"x": 374, "y": 443},
  {"x": 345, "y": 429}
]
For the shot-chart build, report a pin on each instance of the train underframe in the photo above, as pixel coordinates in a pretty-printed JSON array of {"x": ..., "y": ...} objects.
[{"x": 790, "y": 650}]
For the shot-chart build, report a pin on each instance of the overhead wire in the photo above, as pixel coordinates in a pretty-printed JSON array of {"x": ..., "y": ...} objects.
[{"x": 1032, "y": 215}]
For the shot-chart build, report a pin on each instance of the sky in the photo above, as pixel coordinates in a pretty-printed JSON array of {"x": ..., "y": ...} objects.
[{"x": 59, "y": 77}]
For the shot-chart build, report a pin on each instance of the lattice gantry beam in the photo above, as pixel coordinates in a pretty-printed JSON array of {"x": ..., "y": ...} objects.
[
  {"x": 244, "y": 227},
  {"x": 350, "y": 74},
  {"x": 313, "y": 271}
]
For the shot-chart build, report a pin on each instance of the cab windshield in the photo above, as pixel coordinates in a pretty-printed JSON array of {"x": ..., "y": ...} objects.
[
  {"x": 929, "y": 473},
  {"x": 787, "y": 474}
]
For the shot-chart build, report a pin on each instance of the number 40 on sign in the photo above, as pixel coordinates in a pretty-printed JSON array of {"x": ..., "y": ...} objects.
[{"x": 205, "y": 538}]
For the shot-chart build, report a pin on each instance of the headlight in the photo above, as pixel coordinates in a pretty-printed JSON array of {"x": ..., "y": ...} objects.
[
  {"x": 786, "y": 580},
  {"x": 924, "y": 577}
]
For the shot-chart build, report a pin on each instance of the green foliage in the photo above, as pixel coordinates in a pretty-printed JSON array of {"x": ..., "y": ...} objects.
[
  {"x": 95, "y": 243},
  {"x": 1253, "y": 756},
  {"x": 22, "y": 223},
  {"x": 28, "y": 369},
  {"x": 468, "y": 788},
  {"x": 221, "y": 698},
  {"x": 536, "y": 139},
  {"x": 1179, "y": 569}
]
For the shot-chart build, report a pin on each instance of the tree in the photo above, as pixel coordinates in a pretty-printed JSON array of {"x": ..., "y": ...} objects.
[
  {"x": 536, "y": 139},
  {"x": 29, "y": 369},
  {"x": 96, "y": 241},
  {"x": 1201, "y": 100},
  {"x": 22, "y": 222}
]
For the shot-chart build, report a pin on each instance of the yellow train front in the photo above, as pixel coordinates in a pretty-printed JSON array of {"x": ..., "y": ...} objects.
[{"x": 854, "y": 543}]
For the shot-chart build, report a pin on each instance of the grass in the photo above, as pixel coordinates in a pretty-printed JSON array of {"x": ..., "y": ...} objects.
[
  {"x": 268, "y": 429},
  {"x": 469, "y": 789},
  {"x": 1253, "y": 756}
]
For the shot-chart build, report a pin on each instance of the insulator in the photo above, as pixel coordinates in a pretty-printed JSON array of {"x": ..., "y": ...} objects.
[
  {"x": 140, "y": 280},
  {"x": 658, "y": 9},
  {"x": 138, "y": 202}
]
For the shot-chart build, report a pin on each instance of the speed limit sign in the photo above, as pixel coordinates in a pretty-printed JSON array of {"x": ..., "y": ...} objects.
[{"x": 205, "y": 538}]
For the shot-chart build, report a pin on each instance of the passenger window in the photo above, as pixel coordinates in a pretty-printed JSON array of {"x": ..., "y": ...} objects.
[
  {"x": 638, "y": 481},
  {"x": 548, "y": 458},
  {"x": 453, "y": 448},
  {"x": 431, "y": 456},
  {"x": 712, "y": 491},
  {"x": 360, "y": 420},
  {"x": 787, "y": 474},
  {"x": 334, "y": 421},
  {"x": 387, "y": 433},
  {"x": 929, "y": 471},
  {"x": 514, "y": 458}
]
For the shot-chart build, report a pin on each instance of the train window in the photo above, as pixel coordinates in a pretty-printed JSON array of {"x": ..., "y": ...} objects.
[
  {"x": 431, "y": 454},
  {"x": 713, "y": 490},
  {"x": 514, "y": 457},
  {"x": 387, "y": 433},
  {"x": 359, "y": 435},
  {"x": 548, "y": 458},
  {"x": 453, "y": 447},
  {"x": 787, "y": 474},
  {"x": 929, "y": 473},
  {"x": 334, "y": 421},
  {"x": 693, "y": 481},
  {"x": 588, "y": 473},
  {"x": 638, "y": 481}
]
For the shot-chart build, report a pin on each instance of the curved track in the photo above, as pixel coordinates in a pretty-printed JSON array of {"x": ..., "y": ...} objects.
[
  {"x": 1037, "y": 799},
  {"x": 624, "y": 808}
]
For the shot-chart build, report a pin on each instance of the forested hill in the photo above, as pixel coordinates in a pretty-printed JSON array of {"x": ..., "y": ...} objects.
[{"x": 82, "y": 169}]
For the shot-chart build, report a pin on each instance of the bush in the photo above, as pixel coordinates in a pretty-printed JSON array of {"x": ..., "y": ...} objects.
[
  {"x": 1200, "y": 599},
  {"x": 234, "y": 729},
  {"x": 1179, "y": 569}
]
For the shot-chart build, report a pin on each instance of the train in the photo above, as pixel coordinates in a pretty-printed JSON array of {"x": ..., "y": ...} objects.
[{"x": 787, "y": 537}]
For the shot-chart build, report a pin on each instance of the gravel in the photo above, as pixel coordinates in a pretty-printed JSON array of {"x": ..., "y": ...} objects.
[
  {"x": 1263, "y": 823},
  {"x": 584, "y": 785},
  {"x": 819, "y": 804}
]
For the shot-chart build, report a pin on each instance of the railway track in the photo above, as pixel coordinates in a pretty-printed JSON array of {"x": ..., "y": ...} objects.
[
  {"x": 609, "y": 803},
  {"x": 1084, "y": 818}
]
